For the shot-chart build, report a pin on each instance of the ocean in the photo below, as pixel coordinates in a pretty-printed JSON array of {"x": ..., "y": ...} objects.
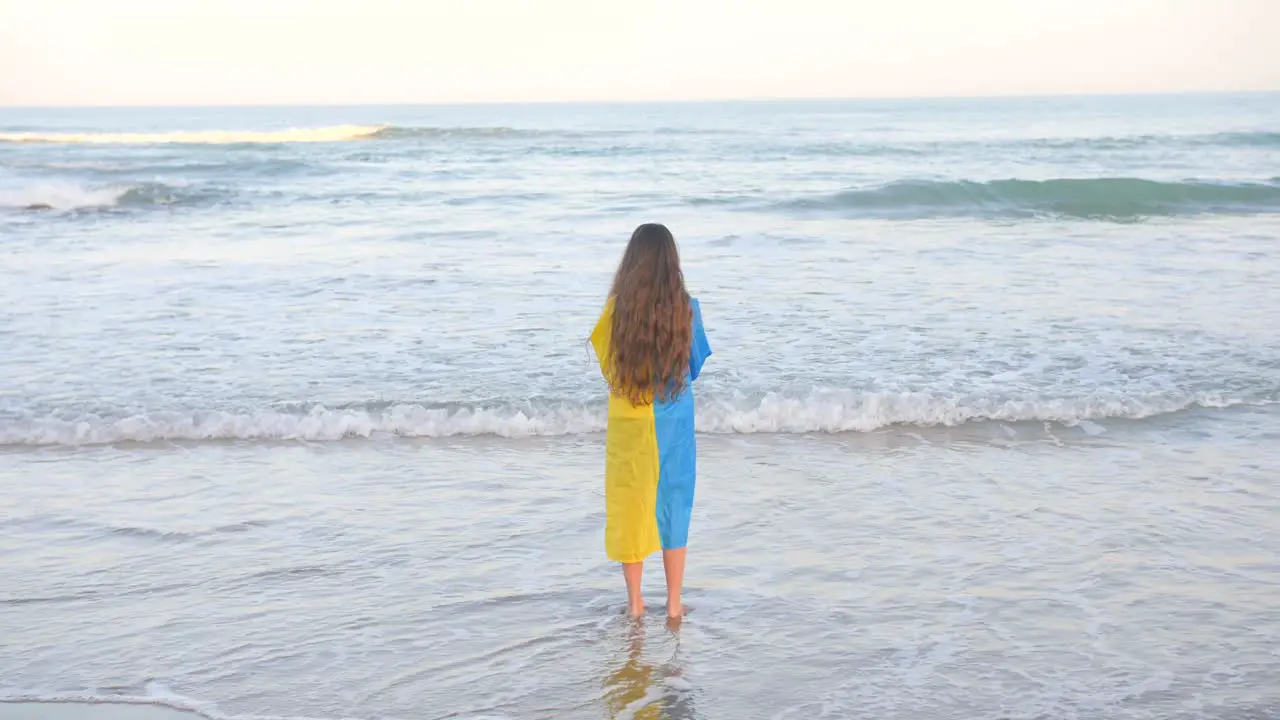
[{"x": 298, "y": 418}]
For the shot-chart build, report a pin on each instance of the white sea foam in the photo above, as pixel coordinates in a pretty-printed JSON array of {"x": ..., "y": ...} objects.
[
  {"x": 819, "y": 412},
  {"x": 154, "y": 695},
  {"x": 336, "y": 133},
  {"x": 60, "y": 196},
  {"x": 72, "y": 196}
]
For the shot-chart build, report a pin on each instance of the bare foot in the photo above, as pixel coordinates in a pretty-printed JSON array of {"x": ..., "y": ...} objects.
[
  {"x": 635, "y": 611},
  {"x": 675, "y": 621}
]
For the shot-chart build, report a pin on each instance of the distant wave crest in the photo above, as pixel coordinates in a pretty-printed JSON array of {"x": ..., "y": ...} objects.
[
  {"x": 820, "y": 411},
  {"x": 1124, "y": 142},
  {"x": 1068, "y": 197},
  {"x": 341, "y": 133},
  {"x": 336, "y": 133},
  {"x": 395, "y": 132},
  {"x": 1245, "y": 139}
]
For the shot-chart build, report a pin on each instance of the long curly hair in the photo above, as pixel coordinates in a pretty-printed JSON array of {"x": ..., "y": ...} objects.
[{"x": 652, "y": 319}]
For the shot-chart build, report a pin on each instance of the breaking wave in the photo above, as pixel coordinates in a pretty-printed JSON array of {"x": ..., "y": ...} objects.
[
  {"x": 68, "y": 196},
  {"x": 1071, "y": 197},
  {"x": 820, "y": 411}
]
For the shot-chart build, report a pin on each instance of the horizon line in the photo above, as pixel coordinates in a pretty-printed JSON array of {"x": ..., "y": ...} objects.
[{"x": 649, "y": 101}]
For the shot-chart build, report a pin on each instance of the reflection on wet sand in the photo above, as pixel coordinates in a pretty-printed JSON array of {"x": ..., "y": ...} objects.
[{"x": 643, "y": 691}]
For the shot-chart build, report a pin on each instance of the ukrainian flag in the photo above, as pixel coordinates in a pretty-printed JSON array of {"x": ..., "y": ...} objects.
[{"x": 650, "y": 458}]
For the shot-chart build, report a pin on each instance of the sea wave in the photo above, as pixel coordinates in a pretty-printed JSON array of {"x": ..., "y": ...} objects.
[
  {"x": 1085, "y": 144},
  {"x": 70, "y": 196},
  {"x": 851, "y": 147},
  {"x": 1244, "y": 139},
  {"x": 1124, "y": 142},
  {"x": 328, "y": 134},
  {"x": 340, "y": 133},
  {"x": 1091, "y": 198},
  {"x": 819, "y": 411},
  {"x": 176, "y": 166},
  {"x": 336, "y": 133},
  {"x": 397, "y": 132}
]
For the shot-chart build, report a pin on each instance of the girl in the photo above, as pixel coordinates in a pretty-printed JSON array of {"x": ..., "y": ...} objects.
[{"x": 651, "y": 346}]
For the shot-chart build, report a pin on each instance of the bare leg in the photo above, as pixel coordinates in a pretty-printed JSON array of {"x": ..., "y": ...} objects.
[
  {"x": 673, "y": 563},
  {"x": 633, "y": 573}
]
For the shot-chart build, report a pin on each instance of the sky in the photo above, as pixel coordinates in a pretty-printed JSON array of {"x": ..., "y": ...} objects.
[{"x": 276, "y": 52}]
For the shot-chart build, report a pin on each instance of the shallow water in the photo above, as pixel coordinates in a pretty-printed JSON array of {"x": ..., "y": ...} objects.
[
  {"x": 1046, "y": 574},
  {"x": 298, "y": 418}
]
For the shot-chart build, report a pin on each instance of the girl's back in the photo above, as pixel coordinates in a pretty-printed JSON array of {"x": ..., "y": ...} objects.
[{"x": 651, "y": 346}]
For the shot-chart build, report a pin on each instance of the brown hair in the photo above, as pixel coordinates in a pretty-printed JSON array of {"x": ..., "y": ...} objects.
[{"x": 652, "y": 319}]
